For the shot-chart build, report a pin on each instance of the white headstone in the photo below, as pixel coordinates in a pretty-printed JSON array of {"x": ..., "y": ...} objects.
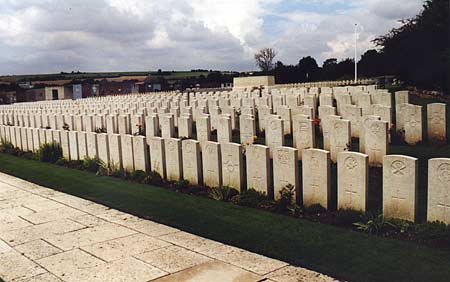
[
  {"x": 353, "y": 181},
  {"x": 400, "y": 187}
]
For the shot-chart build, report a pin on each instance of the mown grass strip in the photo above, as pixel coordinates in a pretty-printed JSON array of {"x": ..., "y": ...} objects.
[{"x": 335, "y": 251}]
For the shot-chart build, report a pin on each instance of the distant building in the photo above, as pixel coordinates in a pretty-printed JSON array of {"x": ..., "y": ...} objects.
[
  {"x": 77, "y": 91},
  {"x": 31, "y": 95},
  {"x": 117, "y": 88}
]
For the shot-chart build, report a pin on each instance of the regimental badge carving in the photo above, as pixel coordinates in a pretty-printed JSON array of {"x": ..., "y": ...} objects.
[
  {"x": 444, "y": 173},
  {"x": 398, "y": 168},
  {"x": 375, "y": 128},
  {"x": 283, "y": 156},
  {"x": 351, "y": 163}
]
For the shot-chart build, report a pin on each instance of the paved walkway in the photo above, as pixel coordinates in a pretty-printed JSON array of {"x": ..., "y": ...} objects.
[{"x": 47, "y": 235}]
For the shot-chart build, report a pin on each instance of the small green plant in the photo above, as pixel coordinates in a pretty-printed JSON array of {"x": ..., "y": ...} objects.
[
  {"x": 286, "y": 200},
  {"x": 373, "y": 223},
  {"x": 91, "y": 164},
  {"x": 111, "y": 169},
  {"x": 401, "y": 226},
  {"x": 224, "y": 193},
  {"x": 50, "y": 152},
  {"x": 250, "y": 198},
  {"x": 315, "y": 209}
]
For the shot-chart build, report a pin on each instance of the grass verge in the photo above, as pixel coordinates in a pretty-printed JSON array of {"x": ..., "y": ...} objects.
[{"x": 335, "y": 251}]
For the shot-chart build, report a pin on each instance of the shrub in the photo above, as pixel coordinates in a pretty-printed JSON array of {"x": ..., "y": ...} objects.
[
  {"x": 138, "y": 176},
  {"x": 91, "y": 164},
  {"x": 224, "y": 193},
  {"x": 250, "y": 198},
  {"x": 347, "y": 217},
  {"x": 315, "y": 209},
  {"x": 76, "y": 164},
  {"x": 155, "y": 178},
  {"x": 432, "y": 231},
  {"x": 6, "y": 147},
  {"x": 50, "y": 152},
  {"x": 373, "y": 223},
  {"x": 182, "y": 185}
]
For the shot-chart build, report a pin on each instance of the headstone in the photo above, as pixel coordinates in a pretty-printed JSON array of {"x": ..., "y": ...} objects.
[
  {"x": 263, "y": 113},
  {"x": 274, "y": 133},
  {"x": 304, "y": 136},
  {"x": 247, "y": 130},
  {"x": 285, "y": 114},
  {"x": 436, "y": 117},
  {"x": 413, "y": 124},
  {"x": 400, "y": 187},
  {"x": 126, "y": 141},
  {"x": 362, "y": 136},
  {"x": 140, "y": 153},
  {"x": 36, "y": 139},
  {"x": 224, "y": 134},
  {"x": 384, "y": 112},
  {"x": 112, "y": 124},
  {"x": 285, "y": 170},
  {"x": 123, "y": 124},
  {"x": 258, "y": 176},
  {"x": 354, "y": 115},
  {"x": 167, "y": 126},
  {"x": 376, "y": 140},
  {"x": 316, "y": 178},
  {"x": 353, "y": 181},
  {"x": 82, "y": 145},
  {"x": 157, "y": 155},
  {"x": 203, "y": 129},
  {"x": 115, "y": 151},
  {"x": 327, "y": 125},
  {"x": 340, "y": 139},
  {"x": 439, "y": 190},
  {"x": 185, "y": 126},
  {"x": 232, "y": 166},
  {"x": 401, "y": 97},
  {"x": 103, "y": 147},
  {"x": 174, "y": 164},
  {"x": 91, "y": 143},
  {"x": 151, "y": 125},
  {"x": 73, "y": 145},
  {"x": 211, "y": 160},
  {"x": 192, "y": 162}
]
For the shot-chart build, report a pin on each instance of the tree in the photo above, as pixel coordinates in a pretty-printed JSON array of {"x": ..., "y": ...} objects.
[
  {"x": 418, "y": 51},
  {"x": 264, "y": 59},
  {"x": 308, "y": 68},
  {"x": 372, "y": 64}
]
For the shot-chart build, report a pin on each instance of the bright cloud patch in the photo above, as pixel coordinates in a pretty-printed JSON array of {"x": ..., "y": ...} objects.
[{"x": 40, "y": 36}]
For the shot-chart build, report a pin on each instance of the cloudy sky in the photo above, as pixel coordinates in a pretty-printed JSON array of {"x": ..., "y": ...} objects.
[{"x": 44, "y": 36}]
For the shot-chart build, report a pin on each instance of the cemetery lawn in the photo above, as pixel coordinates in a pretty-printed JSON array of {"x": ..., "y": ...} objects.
[{"x": 338, "y": 252}]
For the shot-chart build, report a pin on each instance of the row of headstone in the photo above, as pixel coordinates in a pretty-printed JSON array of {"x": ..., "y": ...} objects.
[{"x": 214, "y": 165}]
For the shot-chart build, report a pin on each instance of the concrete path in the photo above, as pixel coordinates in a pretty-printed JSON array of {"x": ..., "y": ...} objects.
[{"x": 47, "y": 235}]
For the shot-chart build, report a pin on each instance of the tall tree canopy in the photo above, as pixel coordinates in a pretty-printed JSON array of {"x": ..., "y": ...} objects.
[{"x": 418, "y": 52}]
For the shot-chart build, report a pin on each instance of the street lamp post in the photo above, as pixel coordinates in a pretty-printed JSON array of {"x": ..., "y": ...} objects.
[{"x": 356, "y": 53}]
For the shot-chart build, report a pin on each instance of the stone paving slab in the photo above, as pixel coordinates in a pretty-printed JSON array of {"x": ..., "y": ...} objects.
[{"x": 49, "y": 236}]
